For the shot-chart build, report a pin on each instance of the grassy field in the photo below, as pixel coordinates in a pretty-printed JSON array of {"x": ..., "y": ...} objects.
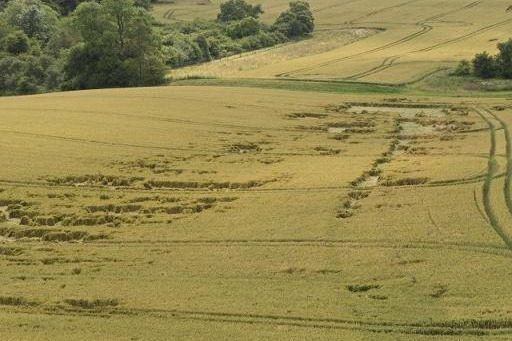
[
  {"x": 214, "y": 213},
  {"x": 397, "y": 41}
]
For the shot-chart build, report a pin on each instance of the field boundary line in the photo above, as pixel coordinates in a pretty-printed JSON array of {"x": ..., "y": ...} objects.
[
  {"x": 478, "y": 248},
  {"x": 420, "y": 328}
]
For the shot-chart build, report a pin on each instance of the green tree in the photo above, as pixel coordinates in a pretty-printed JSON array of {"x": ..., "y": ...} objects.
[
  {"x": 121, "y": 13},
  {"x": 119, "y": 47},
  {"x": 484, "y": 65},
  {"x": 146, "y": 63},
  {"x": 234, "y": 10},
  {"x": 33, "y": 17},
  {"x": 244, "y": 28},
  {"x": 504, "y": 59},
  {"x": 297, "y": 21},
  {"x": 463, "y": 69},
  {"x": 17, "y": 43}
]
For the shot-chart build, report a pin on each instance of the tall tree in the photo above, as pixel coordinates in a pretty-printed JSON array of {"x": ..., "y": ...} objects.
[
  {"x": 234, "y": 10},
  {"x": 35, "y": 18},
  {"x": 297, "y": 21},
  {"x": 119, "y": 47},
  {"x": 505, "y": 59},
  {"x": 121, "y": 12}
]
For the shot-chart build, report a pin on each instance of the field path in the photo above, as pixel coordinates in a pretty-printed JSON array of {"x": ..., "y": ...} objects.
[
  {"x": 508, "y": 176},
  {"x": 487, "y": 186},
  {"x": 390, "y": 60}
]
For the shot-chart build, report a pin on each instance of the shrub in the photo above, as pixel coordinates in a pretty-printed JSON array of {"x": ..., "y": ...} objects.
[
  {"x": 297, "y": 21},
  {"x": 244, "y": 28},
  {"x": 463, "y": 69},
  {"x": 484, "y": 65},
  {"x": 17, "y": 43},
  {"x": 234, "y": 10},
  {"x": 504, "y": 59}
]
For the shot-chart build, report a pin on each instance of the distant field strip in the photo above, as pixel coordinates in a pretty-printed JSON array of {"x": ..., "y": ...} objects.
[
  {"x": 466, "y": 36},
  {"x": 389, "y": 61},
  {"x": 416, "y": 39}
]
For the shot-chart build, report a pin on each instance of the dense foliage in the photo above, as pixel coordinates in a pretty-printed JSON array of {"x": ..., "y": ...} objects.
[
  {"x": 233, "y": 10},
  {"x": 48, "y": 45},
  {"x": 488, "y": 66},
  {"x": 297, "y": 21},
  {"x": 236, "y": 30}
]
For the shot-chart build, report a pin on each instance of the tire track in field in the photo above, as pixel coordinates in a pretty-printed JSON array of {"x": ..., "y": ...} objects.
[
  {"x": 380, "y": 11},
  {"x": 508, "y": 151},
  {"x": 466, "y": 36},
  {"x": 249, "y": 318},
  {"x": 477, "y": 248},
  {"x": 479, "y": 209},
  {"x": 160, "y": 119},
  {"x": 386, "y": 64},
  {"x": 487, "y": 186},
  {"x": 138, "y": 146},
  {"x": 424, "y": 30},
  {"x": 390, "y": 61},
  {"x": 316, "y": 10}
]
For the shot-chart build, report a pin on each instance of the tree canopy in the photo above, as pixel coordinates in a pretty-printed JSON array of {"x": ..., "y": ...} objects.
[
  {"x": 297, "y": 21},
  {"x": 48, "y": 45},
  {"x": 234, "y": 10}
]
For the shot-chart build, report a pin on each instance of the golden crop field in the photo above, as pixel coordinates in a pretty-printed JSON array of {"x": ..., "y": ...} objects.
[
  {"x": 392, "y": 42},
  {"x": 216, "y": 213},
  {"x": 323, "y": 198}
]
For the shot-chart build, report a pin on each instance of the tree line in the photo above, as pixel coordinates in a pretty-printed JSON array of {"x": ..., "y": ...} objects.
[
  {"x": 49, "y": 45},
  {"x": 485, "y": 65}
]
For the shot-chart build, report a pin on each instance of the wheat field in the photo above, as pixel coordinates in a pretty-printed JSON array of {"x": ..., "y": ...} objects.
[
  {"x": 208, "y": 213},
  {"x": 391, "y": 42},
  {"x": 190, "y": 212}
]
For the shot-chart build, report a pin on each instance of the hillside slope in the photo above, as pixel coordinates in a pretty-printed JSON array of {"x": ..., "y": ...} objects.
[{"x": 419, "y": 37}]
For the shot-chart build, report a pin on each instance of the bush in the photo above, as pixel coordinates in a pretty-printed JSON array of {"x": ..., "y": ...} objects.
[
  {"x": 244, "y": 28},
  {"x": 297, "y": 21},
  {"x": 463, "y": 69},
  {"x": 504, "y": 59},
  {"x": 17, "y": 43},
  {"x": 234, "y": 10},
  {"x": 484, "y": 65}
]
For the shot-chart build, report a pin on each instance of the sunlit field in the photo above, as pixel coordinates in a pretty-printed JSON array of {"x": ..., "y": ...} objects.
[
  {"x": 393, "y": 42},
  {"x": 220, "y": 213},
  {"x": 338, "y": 187}
]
